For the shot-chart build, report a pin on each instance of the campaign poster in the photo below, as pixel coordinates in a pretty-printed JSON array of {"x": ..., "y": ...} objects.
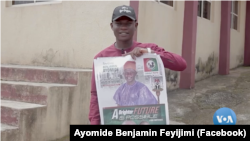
[{"x": 132, "y": 91}]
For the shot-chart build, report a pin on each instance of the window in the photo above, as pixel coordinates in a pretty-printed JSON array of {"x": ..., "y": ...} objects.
[
  {"x": 234, "y": 15},
  {"x": 167, "y": 2},
  {"x": 204, "y": 9},
  {"x": 18, "y": 2}
]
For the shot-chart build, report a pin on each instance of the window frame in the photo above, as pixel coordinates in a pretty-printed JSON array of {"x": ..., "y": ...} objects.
[
  {"x": 202, "y": 12},
  {"x": 159, "y": 1},
  {"x": 35, "y": 3},
  {"x": 234, "y": 14}
]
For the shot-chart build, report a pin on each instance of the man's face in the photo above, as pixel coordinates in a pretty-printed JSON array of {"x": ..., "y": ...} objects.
[
  {"x": 124, "y": 28},
  {"x": 129, "y": 75}
]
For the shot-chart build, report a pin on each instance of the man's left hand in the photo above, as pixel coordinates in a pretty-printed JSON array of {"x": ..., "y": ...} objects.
[{"x": 136, "y": 52}]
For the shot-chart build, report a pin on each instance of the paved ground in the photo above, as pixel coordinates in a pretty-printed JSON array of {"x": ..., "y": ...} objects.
[{"x": 197, "y": 106}]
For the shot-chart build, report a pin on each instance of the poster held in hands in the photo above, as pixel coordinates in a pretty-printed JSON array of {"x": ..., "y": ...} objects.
[{"x": 131, "y": 92}]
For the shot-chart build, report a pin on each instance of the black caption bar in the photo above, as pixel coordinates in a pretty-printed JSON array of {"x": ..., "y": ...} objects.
[{"x": 80, "y": 132}]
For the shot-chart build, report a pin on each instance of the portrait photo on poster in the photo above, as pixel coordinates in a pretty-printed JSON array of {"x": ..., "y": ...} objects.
[{"x": 132, "y": 91}]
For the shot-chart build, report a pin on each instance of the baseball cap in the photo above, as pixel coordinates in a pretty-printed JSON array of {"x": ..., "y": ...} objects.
[{"x": 124, "y": 10}]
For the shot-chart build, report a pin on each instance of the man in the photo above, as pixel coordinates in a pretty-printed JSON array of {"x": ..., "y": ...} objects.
[
  {"x": 124, "y": 24},
  {"x": 133, "y": 92}
]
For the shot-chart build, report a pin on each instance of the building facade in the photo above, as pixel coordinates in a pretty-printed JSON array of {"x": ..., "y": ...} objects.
[{"x": 212, "y": 36}]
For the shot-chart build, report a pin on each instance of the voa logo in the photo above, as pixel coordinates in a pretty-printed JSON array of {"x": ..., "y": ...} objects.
[
  {"x": 224, "y": 116},
  {"x": 227, "y": 119}
]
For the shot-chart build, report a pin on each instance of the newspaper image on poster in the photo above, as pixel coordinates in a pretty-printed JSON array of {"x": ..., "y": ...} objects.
[{"x": 132, "y": 91}]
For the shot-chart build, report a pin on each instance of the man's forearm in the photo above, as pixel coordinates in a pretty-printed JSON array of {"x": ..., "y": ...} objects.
[
  {"x": 173, "y": 61},
  {"x": 170, "y": 60}
]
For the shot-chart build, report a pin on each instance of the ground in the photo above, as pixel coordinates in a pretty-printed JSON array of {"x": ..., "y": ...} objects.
[{"x": 198, "y": 105}]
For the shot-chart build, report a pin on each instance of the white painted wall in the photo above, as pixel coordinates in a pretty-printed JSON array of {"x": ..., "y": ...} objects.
[
  {"x": 237, "y": 38},
  {"x": 162, "y": 25},
  {"x": 66, "y": 34}
]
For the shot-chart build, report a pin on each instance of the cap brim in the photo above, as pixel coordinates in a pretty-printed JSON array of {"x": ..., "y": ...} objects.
[{"x": 124, "y": 16}]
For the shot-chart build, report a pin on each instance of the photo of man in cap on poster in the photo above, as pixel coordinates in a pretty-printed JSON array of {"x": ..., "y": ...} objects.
[
  {"x": 133, "y": 92},
  {"x": 124, "y": 24}
]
